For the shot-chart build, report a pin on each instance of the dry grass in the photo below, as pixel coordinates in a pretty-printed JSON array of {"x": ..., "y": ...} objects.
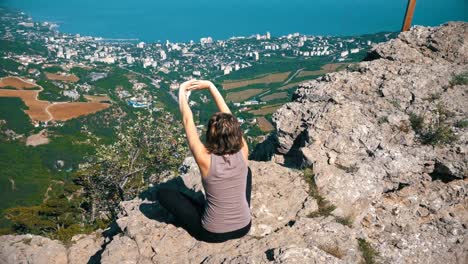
[
  {"x": 60, "y": 77},
  {"x": 286, "y": 87},
  {"x": 369, "y": 254},
  {"x": 37, "y": 139},
  {"x": 274, "y": 96},
  {"x": 243, "y": 95},
  {"x": 332, "y": 250},
  {"x": 264, "y": 124},
  {"x": 16, "y": 82},
  {"x": 266, "y": 110},
  {"x": 331, "y": 67},
  {"x": 36, "y": 107},
  {"x": 66, "y": 111},
  {"x": 97, "y": 98},
  {"x": 270, "y": 78}
]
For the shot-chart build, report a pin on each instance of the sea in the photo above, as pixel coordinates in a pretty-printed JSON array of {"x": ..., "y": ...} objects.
[{"x": 185, "y": 20}]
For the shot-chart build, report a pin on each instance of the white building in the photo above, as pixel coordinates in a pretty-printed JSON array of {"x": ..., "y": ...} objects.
[
  {"x": 147, "y": 62},
  {"x": 256, "y": 56},
  {"x": 108, "y": 60},
  {"x": 163, "y": 55},
  {"x": 141, "y": 45},
  {"x": 207, "y": 40},
  {"x": 73, "y": 94},
  {"x": 227, "y": 70},
  {"x": 354, "y": 51},
  {"x": 130, "y": 59},
  {"x": 60, "y": 52},
  {"x": 174, "y": 86},
  {"x": 344, "y": 53}
]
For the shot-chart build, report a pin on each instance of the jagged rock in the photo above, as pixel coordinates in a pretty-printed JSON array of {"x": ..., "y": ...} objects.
[
  {"x": 425, "y": 45},
  {"x": 84, "y": 247},
  {"x": 293, "y": 254},
  {"x": 354, "y": 127},
  {"x": 356, "y": 123},
  {"x": 278, "y": 194},
  {"x": 31, "y": 249},
  {"x": 406, "y": 199}
]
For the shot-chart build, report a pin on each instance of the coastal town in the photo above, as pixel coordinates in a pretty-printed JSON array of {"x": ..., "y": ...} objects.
[{"x": 256, "y": 73}]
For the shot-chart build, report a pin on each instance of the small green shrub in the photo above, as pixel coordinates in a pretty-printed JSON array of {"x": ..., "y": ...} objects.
[
  {"x": 325, "y": 208},
  {"x": 6, "y": 231},
  {"x": 433, "y": 97},
  {"x": 395, "y": 103},
  {"x": 65, "y": 234},
  {"x": 460, "y": 79},
  {"x": 441, "y": 134},
  {"x": 347, "y": 221},
  {"x": 354, "y": 67},
  {"x": 443, "y": 112},
  {"x": 404, "y": 126},
  {"x": 437, "y": 133},
  {"x": 26, "y": 241},
  {"x": 462, "y": 123},
  {"x": 349, "y": 169},
  {"x": 417, "y": 122},
  {"x": 369, "y": 254},
  {"x": 322, "y": 211},
  {"x": 382, "y": 119}
]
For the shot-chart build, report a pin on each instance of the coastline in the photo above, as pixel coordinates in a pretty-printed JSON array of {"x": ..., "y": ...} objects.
[{"x": 153, "y": 27}]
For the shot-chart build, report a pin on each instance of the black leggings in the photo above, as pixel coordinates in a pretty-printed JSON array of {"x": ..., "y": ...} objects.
[{"x": 188, "y": 213}]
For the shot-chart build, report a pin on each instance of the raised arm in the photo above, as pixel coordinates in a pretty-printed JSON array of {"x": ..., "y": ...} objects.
[
  {"x": 218, "y": 98},
  {"x": 220, "y": 103},
  {"x": 196, "y": 146}
]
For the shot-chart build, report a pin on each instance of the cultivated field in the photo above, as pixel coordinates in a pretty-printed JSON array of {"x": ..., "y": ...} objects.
[
  {"x": 274, "y": 96},
  {"x": 327, "y": 68},
  {"x": 97, "y": 98},
  {"x": 44, "y": 110},
  {"x": 266, "y": 109},
  {"x": 270, "y": 78},
  {"x": 66, "y": 111},
  {"x": 289, "y": 86},
  {"x": 264, "y": 124},
  {"x": 37, "y": 108},
  {"x": 60, "y": 77},
  {"x": 16, "y": 83},
  {"x": 243, "y": 95}
]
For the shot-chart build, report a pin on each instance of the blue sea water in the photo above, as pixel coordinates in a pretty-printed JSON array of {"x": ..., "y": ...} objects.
[{"x": 183, "y": 20}]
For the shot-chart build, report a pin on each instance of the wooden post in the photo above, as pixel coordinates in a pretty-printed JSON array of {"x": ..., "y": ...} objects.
[{"x": 408, "y": 15}]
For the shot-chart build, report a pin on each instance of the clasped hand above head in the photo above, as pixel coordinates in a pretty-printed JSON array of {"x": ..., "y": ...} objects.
[{"x": 193, "y": 85}]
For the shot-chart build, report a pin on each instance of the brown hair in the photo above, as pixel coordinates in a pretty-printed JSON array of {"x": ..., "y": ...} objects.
[{"x": 224, "y": 135}]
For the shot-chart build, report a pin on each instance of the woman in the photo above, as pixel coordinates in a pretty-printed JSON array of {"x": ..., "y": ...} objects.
[{"x": 223, "y": 166}]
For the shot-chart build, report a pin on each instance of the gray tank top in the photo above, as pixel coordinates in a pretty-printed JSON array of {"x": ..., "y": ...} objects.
[{"x": 226, "y": 207}]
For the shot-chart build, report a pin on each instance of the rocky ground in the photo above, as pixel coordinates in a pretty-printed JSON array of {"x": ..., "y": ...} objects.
[{"x": 385, "y": 147}]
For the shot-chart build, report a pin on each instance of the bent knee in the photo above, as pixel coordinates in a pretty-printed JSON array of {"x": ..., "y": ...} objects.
[{"x": 163, "y": 193}]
